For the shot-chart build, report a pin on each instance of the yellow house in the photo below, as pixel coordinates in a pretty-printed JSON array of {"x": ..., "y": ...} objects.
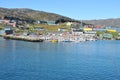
[
  {"x": 111, "y": 30},
  {"x": 87, "y": 29},
  {"x": 68, "y": 23}
]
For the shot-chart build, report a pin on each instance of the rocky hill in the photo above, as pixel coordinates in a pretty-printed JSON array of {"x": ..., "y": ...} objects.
[
  {"x": 106, "y": 22},
  {"x": 25, "y": 13}
]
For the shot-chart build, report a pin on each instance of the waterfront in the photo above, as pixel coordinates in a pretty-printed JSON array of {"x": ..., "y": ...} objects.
[{"x": 97, "y": 60}]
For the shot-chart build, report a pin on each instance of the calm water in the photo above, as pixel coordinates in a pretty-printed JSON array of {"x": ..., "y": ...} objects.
[{"x": 98, "y": 60}]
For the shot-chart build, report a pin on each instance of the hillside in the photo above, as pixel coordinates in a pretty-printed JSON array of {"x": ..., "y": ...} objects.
[
  {"x": 106, "y": 22},
  {"x": 25, "y": 13}
]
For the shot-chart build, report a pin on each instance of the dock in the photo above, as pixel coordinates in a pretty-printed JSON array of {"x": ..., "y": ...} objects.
[{"x": 23, "y": 38}]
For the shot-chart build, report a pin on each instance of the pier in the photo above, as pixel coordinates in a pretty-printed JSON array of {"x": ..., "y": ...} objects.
[{"x": 23, "y": 38}]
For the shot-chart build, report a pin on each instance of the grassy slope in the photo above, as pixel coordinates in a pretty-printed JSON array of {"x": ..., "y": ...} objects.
[{"x": 50, "y": 27}]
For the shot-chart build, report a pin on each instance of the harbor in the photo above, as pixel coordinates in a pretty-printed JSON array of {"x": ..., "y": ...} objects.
[
  {"x": 56, "y": 31},
  {"x": 75, "y": 35},
  {"x": 52, "y": 38},
  {"x": 87, "y": 34}
]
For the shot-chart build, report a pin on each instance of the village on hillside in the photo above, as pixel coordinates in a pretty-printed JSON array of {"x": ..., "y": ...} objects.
[{"x": 56, "y": 31}]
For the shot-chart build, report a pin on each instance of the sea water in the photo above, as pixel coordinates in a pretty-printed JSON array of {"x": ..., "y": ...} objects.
[{"x": 97, "y": 60}]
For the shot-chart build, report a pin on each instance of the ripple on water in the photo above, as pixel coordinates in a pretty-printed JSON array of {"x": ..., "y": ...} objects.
[{"x": 21, "y": 60}]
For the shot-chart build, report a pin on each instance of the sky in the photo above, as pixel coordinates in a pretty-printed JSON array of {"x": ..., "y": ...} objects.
[{"x": 76, "y": 9}]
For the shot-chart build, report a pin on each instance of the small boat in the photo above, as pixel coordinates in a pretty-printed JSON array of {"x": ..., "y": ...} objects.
[{"x": 54, "y": 40}]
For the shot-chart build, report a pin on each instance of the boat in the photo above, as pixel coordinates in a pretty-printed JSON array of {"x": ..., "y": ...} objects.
[{"x": 54, "y": 40}]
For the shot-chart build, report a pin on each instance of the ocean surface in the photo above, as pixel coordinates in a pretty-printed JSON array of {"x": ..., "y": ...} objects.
[{"x": 99, "y": 60}]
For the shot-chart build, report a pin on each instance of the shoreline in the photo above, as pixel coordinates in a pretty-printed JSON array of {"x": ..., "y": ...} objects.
[{"x": 58, "y": 39}]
